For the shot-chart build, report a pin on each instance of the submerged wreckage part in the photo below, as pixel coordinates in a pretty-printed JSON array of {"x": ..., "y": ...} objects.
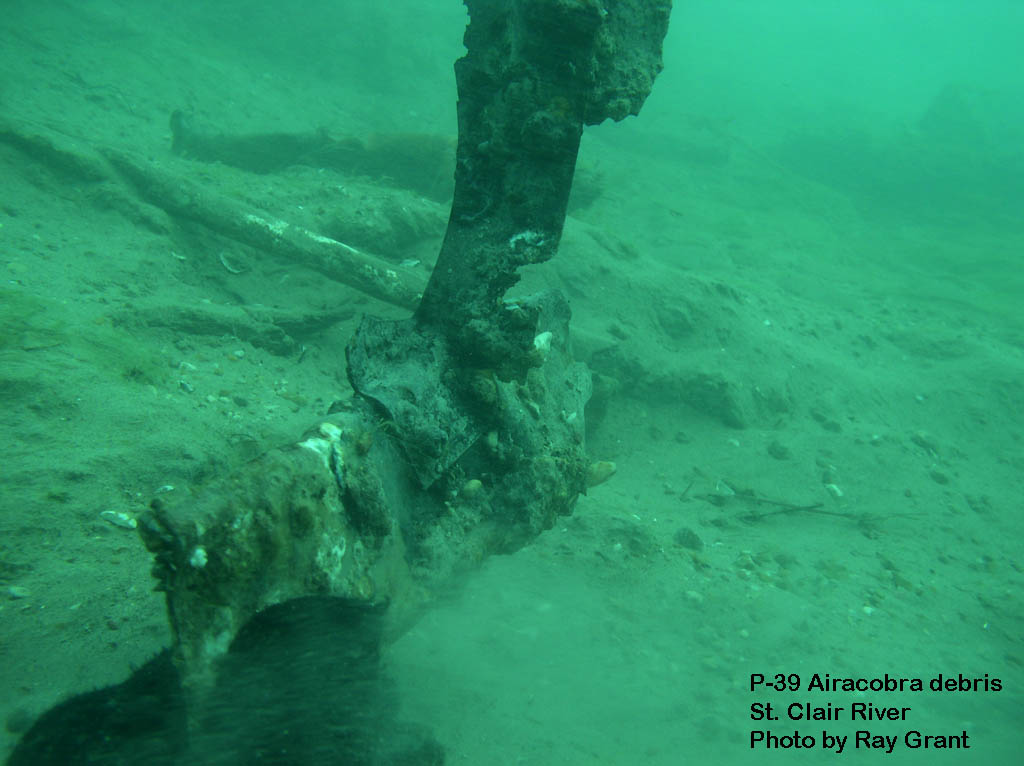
[
  {"x": 535, "y": 72},
  {"x": 354, "y": 510},
  {"x": 466, "y": 437},
  {"x": 343, "y": 514},
  {"x": 439, "y": 408},
  {"x": 313, "y": 518},
  {"x": 470, "y": 363},
  {"x": 379, "y": 502}
]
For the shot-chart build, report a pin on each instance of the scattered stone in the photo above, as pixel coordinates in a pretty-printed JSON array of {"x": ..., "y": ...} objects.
[
  {"x": 925, "y": 441},
  {"x": 600, "y": 472},
  {"x": 687, "y": 538},
  {"x": 779, "y": 451}
]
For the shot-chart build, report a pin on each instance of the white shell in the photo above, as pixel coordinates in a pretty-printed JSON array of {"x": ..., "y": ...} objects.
[
  {"x": 119, "y": 519},
  {"x": 198, "y": 558}
]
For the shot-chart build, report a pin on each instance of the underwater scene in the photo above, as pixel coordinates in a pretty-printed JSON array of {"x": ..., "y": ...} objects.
[{"x": 511, "y": 382}]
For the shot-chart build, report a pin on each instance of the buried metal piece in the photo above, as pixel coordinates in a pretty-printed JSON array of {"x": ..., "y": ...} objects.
[{"x": 301, "y": 683}]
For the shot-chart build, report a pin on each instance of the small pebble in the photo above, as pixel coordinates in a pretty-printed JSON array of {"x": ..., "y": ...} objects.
[{"x": 779, "y": 451}]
